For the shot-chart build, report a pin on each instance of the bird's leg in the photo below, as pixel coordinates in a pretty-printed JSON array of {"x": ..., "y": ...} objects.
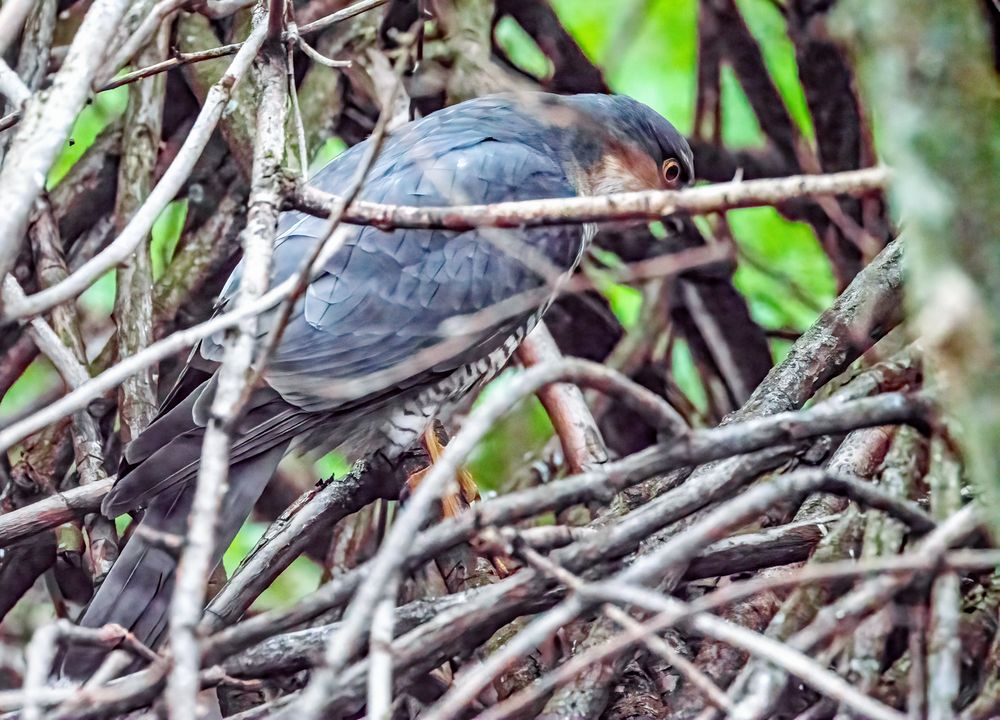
[{"x": 452, "y": 503}]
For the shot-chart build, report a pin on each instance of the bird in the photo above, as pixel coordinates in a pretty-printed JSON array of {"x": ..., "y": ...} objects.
[{"x": 380, "y": 301}]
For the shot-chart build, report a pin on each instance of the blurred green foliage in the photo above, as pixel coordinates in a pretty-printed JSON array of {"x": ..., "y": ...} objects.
[
  {"x": 521, "y": 49},
  {"x": 166, "y": 232},
  {"x": 648, "y": 49},
  {"x": 298, "y": 579},
  {"x": 105, "y": 109}
]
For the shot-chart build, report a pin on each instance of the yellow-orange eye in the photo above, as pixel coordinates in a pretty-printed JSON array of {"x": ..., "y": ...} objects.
[{"x": 671, "y": 171}]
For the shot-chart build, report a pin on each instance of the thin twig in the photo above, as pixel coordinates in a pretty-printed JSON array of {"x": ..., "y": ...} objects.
[
  {"x": 626, "y": 621},
  {"x": 316, "y": 56},
  {"x": 698, "y": 447},
  {"x": 943, "y": 642},
  {"x": 642, "y": 205},
  {"x": 379, "y": 705},
  {"x": 732, "y": 593},
  {"x": 672, "y": 554},
  {"x": 180, "y": 59},
  {"x": 140, "y": 37},
  {"x": 12, "y": 16},
  {"x": 300, "y": 129},
  {"x": 52, "y": 511},
  {"x": 884, "y": 272}
]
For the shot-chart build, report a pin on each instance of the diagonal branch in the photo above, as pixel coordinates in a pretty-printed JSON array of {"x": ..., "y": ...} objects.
[{"x": 49, "y": 117}]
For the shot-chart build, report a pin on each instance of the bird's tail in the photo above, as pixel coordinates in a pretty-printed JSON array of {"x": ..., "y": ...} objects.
[{"x": 136, "y": 593}]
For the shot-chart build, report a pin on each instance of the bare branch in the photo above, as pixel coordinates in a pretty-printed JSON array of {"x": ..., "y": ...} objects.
[
  {"x": 133, "y": 311},
  {"x": 943, "y": 642},
  {"x": 12, "y": 87},
  {"x": 181, "y": 59},
  {"x": 884, "y": 273},
  {"x": 12, "y": 16},
  {"x": 583, "y": 446},
  {"x": 151, "y": 22},
  {"x": 173, "y": 179},
  {"x": 48, "y": 120},
  {"x": 52, "y": 511},
  {"x": 673, "y": 554},
  {"x": 346, "y": 14},
  {"x": 262, "y": 221},
  {"x": 645, "y": 205}
]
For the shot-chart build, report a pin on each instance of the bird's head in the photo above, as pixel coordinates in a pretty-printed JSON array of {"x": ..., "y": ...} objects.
[{"x": 617, "y": 144}]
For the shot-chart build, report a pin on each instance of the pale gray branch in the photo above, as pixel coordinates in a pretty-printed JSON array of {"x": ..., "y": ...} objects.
[
  {"x": 49, "y": 117},
  {"x": 195, "y": 565},
  {"x": 170, "y": 184}
]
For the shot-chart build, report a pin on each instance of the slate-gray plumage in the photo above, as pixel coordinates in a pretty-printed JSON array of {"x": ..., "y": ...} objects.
[{"x": 380, "y": 301}]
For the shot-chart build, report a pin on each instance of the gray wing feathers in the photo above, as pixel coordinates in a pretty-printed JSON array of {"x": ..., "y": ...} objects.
[
  {"x": 383, "y": 297},
  {"x": 136, "y": 593},
  {"x": 380, "y": 300},
  {"x": 167, "y": 453}
]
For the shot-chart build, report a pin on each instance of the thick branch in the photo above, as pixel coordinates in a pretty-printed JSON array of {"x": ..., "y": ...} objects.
[{"x": 262, "y": 220}]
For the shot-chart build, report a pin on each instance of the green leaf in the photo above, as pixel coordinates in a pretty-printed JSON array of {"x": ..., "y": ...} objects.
[
  {"x": 165, "y": 234},
  {"x": 106, "y": 107},
  {"x": 522, "y": 50}
]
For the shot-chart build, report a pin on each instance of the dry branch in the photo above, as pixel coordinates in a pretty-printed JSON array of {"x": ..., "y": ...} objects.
[
  {"x": 645, "y": 205},
  {"x": 195, "y": 564},
  {"x": 49, "y": 116},
  {"x": 173, "y": 179},
  {"x": 884, "y": 272},
  {"x": 133, "y": 313}
]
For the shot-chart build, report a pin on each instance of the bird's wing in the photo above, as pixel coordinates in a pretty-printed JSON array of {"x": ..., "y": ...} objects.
[{"x": 381, "y": 299}]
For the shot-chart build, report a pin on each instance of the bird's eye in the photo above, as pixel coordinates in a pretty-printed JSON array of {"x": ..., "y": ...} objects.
[{"x": 671, "y": 171}]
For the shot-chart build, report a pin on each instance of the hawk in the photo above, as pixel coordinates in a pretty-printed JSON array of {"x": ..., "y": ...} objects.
[{"x": 381, "y": 302}]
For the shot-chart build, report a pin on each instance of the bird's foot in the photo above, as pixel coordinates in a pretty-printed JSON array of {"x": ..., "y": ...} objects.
[
  {"x": 459, "y": 500},
  {"x": 453, "y": 503}
]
